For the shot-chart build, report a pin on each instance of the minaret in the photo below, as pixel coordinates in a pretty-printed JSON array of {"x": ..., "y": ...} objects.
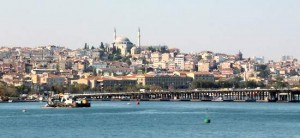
[
  {"x": 139, "y": 38},
  {"x": 115, "y": 34}
]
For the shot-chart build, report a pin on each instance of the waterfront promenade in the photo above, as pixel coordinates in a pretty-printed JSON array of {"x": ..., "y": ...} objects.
[{"x": 239, "y": 95}]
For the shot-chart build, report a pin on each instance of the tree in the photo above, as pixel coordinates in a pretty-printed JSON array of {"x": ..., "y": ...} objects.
[
  {"x": 78, "y": 87},
  {"x": 203, "y": 84},
  {"x": 57, "y": 67},
  {"x": 164, "y": 50},
  {"x": 11, "y": 91},
  {"x": 23, "y": 89},
  {"x": 251, "y": 84},
  {"x": 94, "y": 72},
  {"x": 108, "y": 89},
  {"x": 264, "y": 71},
  {"x": 60, "y": 88},
  {"x": 279, "y": 83},
  {"x": 117, "y": 57},
  {"x": 86, "y": 46},
  {"x": 195, "y": 85},
  {"x": 151, "y": 49},
  {"x": 131, "y": 88},
  {"x": 142, "y": 69},
  {"x": 101, "y": 45},
  {"x": 82, "y": 87},
  {"x": 155, "y": 88}
]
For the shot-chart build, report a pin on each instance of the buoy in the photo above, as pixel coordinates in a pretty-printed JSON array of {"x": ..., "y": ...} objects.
[
  {"x": 206, "y": 120},
  {"x": 137, "y": 101}
]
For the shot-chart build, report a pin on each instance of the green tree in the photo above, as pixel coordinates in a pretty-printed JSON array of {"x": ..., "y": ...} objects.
[
  {"x": 57, "y": 67},
  {"x": 79, "y": 87},
  {"x": 86, "y": 46},
  {"x": 102, "y": 46},
  {"x": 155, "y": 88},
  {"x": 59, "y": 88},
  {"x": 251, "y": 84},
  {"x": 264, "y": 71},
  {"x": 94, "y": 72},
  {"x": 203, "y": 84},
  {"x": 279, "y": 83}
]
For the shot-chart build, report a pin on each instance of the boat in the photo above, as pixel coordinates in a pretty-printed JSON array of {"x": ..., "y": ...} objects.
[
  {"x": 65, "y": 100},
  {"x": 218, "y": 99},
  {"x": 10, "y": 101}
]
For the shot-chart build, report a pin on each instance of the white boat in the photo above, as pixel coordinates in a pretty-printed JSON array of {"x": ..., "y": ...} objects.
[
  {"x": 10, "y": 101},
  {"x": 218, "y": 99}
]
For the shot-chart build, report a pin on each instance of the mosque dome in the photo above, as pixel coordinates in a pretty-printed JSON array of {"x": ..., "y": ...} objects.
[{"x": 122, "y": 40}]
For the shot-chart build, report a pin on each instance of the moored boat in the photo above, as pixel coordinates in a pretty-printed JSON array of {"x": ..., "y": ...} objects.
[{"x": 218, "y": 99}]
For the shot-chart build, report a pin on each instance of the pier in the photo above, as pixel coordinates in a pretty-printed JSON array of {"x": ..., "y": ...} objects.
[{"x": 236, "y": 95}]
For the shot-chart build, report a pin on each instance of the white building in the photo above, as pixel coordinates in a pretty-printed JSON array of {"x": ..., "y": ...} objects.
[
  {"x": 125, "y": 45},
  {"x": 179, "y": 62}
]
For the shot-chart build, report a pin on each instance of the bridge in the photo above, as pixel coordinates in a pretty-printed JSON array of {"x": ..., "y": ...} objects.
[{"x": 246, "y": 95}]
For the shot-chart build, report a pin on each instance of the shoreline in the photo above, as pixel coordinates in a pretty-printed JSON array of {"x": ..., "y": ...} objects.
[
  {"x": 164, "y": 100},
  {"x": 20, "y": 101}
]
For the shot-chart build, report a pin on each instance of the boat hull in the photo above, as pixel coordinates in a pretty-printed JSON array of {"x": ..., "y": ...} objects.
[{"x": 83, "y": 105}]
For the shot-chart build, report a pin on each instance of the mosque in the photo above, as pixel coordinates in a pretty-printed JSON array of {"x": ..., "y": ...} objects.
[{"x": 125, "y": 45}]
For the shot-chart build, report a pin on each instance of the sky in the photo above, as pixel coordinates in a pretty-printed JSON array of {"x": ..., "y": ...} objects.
[{"x": 269, "y": 28}]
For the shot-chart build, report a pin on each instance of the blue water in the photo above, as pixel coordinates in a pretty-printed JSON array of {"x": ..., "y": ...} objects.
[{"x": 152, "y": 119}]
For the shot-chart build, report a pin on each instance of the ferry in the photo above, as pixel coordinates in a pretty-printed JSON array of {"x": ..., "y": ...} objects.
[{"x": 65, "y": 100}]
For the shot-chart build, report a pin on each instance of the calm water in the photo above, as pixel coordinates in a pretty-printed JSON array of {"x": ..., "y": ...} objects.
[{"x": 152, "y": 119}]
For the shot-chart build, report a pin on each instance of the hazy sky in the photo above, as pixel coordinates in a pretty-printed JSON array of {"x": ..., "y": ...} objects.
[{"x": 269, "y": 28}]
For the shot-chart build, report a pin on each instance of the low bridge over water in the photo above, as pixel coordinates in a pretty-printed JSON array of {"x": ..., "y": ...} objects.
[{"x": 266, "y": 95}]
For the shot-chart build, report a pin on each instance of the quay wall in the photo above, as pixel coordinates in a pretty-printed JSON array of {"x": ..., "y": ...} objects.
[{"x": 236, "y": 95}]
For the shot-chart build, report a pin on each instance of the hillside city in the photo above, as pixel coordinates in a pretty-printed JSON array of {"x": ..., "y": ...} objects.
[{"x": 124, "y": 66}]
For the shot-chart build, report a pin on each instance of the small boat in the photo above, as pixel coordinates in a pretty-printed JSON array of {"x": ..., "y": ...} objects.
[
  {"x": 24, "y": 110},
  {"x": 218, "y": 99}
]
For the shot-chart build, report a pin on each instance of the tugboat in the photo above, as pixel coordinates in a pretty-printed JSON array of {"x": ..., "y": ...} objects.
[{"x": 65, "y": 100}]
